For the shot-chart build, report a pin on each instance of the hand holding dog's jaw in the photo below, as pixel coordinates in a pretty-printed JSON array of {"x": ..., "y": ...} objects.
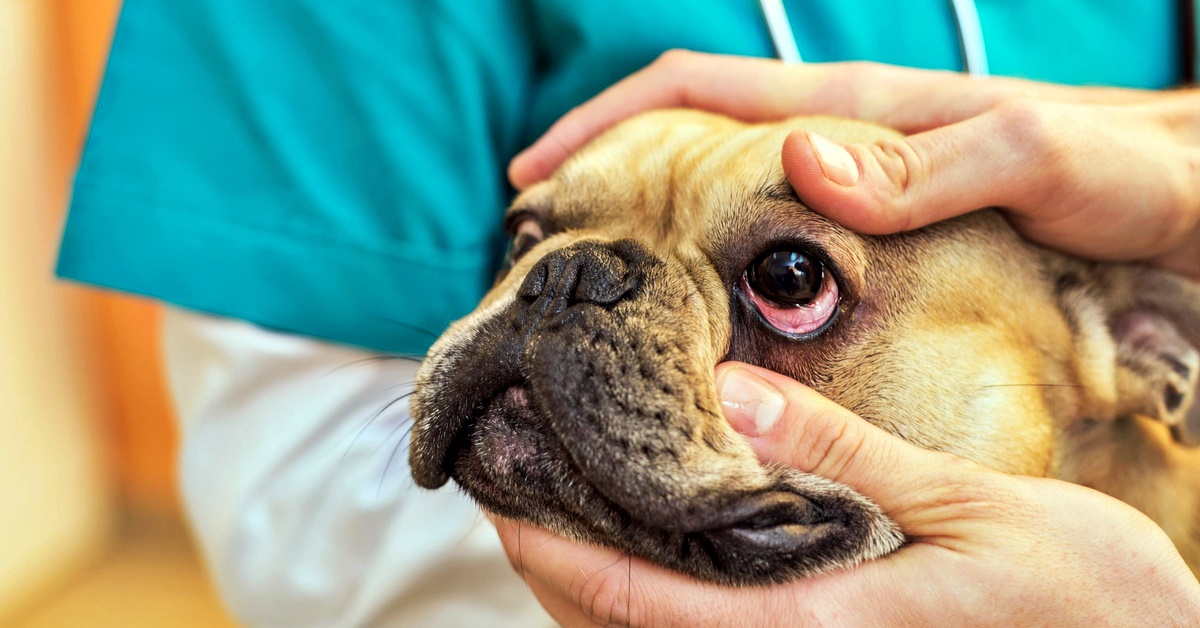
[
  {"x": 820, "y": 437},
  {"x": 1101, "y": 173},
  {"x": 987, "y": 547}
]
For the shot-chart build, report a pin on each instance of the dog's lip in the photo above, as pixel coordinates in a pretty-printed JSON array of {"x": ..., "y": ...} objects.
[
  {"x": 445, "y": 418},
  {"x": 501, "y": 435},
  {"x": 515, "y": 394}
]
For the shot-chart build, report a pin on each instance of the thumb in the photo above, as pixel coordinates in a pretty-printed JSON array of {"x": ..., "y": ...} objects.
[
  {"x": 903, "y": 183},
  {"x": 791, "y": 424}
]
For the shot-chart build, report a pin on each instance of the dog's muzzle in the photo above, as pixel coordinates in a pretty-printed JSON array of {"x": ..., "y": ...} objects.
[{"x": 582, "y": 406}]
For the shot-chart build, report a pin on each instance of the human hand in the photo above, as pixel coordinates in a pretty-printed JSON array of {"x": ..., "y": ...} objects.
[
  {"x": 985, "y": 547},
  {"x": 1102, "y": 173}
]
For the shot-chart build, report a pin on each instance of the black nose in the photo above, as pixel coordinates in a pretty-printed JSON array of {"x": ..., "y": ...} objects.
[{"x": 585, "y": 272}]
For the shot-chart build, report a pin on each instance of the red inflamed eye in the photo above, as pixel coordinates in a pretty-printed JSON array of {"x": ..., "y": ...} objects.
[{"x": 792, "y": 290}]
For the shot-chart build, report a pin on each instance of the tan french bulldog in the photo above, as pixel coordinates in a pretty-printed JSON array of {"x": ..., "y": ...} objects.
[{"x": 579, "y": 396}]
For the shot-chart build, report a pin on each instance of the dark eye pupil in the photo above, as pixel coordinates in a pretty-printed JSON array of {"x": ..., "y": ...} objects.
[{"x": 788, "y": 278}]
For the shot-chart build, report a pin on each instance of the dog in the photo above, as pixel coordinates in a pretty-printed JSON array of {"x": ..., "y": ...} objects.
[{"x": 579, "y": 396}]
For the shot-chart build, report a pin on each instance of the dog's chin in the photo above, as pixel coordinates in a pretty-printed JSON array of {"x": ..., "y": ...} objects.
[{"x": 507, "y": 458}]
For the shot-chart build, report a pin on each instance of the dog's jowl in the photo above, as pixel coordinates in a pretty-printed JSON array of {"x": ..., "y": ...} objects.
[{"x": 579, "y": 395}]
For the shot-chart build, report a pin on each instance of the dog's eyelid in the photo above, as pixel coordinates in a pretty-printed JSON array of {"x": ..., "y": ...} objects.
[
  {"x": 527, "y": 220},
  {"x": 812, "y": 247},
  {"x": 529, "y": 230},
  {"x": 515, "y": 217}
]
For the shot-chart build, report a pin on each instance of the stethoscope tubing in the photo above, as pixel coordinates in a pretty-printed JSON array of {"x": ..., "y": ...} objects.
[{"x": 970, "y": 36}]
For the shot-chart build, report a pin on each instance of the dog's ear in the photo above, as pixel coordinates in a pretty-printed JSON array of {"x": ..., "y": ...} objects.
[{"x": 1138, "y": 342}]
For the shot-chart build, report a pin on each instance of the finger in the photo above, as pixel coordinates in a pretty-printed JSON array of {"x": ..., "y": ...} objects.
[
  {"x": 560, "y": 607},
  {"x": 754, "y": 89},
  {"x": 513, "y": 537},
  {"x": 905, "y": 183},
  {"x": 736, "y": 86},
  {"x": 582, "y": 584},
  {"x": 792, "y": 425},
  {"x": 1050, "y": 167}
]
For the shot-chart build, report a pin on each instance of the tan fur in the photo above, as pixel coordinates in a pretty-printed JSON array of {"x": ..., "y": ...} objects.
[{"x": 960, "y": 337}]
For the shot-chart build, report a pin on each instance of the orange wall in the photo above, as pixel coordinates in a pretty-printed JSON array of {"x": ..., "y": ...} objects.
[
  {"x": 124, "y": 331},
  {"x": 57, "y": 501}
]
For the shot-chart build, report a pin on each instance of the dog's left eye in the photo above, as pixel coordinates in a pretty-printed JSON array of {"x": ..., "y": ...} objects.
[
  {"x": 792, "y": 290},
  {"x": 527, "y": 235}
]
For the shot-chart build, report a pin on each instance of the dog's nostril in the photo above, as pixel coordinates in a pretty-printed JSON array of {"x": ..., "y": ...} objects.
[
  {"x": 584, "y": 273},
  {"x": 603, "y": 280}
]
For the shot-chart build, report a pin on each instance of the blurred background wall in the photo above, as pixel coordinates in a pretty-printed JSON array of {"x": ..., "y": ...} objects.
[{"x": 87, "y": 443}]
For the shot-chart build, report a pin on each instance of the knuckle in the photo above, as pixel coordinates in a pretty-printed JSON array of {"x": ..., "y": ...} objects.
[
  {"x": 832, "y": 444},
  {"x": 904, "y": 169},
  {"x": 671, "y": 72},
  {"x": 1033, "y": 130},
  {"x": 858, "y": 72},
  {"x": 997, "y": 94},
  {"x": 1041, "y": 140},
  {"x": 674, "y": 58}
]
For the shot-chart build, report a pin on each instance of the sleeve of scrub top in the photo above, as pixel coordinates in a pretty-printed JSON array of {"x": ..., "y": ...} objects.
[
  {"x": 295, "y": 475},
  {"x": 333, "y": 169}
]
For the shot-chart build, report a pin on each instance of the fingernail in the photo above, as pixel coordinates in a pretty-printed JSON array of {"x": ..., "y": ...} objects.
[
  {"x": 751, "y": 404},
  {"x": 836, "y": 162}
]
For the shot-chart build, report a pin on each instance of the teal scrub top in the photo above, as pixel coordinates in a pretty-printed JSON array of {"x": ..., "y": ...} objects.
[{"x": 336, "y": 169}]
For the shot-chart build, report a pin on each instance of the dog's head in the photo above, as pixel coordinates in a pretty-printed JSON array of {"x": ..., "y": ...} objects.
[{"x": 580, "y": 396}]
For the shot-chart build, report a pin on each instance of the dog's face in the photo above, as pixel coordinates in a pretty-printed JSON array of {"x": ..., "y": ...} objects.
[{"x": 579, "y": 395}]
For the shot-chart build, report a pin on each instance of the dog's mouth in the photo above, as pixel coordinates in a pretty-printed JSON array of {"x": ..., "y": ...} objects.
[{"x": 508, "y": 458}]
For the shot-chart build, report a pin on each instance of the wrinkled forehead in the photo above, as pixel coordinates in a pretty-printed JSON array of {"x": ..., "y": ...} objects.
[
  {"x": 678, "y": 176},
  {"x": 662, "y": 177}
]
